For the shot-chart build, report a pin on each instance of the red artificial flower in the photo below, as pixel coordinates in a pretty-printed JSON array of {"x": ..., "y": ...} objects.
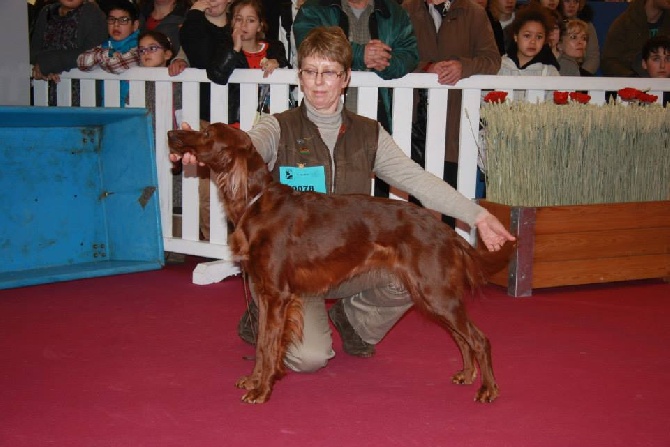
[
  {"x": 560, "y": 97},
  {"x": 646, "y": 98},
  {"x": 582, "y": 98},
  {"x": 495, "y": 96},
  {"x": 629, "y": 94}
]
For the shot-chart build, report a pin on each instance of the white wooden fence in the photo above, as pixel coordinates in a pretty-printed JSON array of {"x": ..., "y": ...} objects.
[{"x": 281, "y": 81}]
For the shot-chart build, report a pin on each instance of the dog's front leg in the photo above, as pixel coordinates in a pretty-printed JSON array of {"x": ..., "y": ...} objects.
[{"x": 269, "y": 364}]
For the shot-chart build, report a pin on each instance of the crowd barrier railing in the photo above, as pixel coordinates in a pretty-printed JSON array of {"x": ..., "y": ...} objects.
[{"x": 283, "y": 85}]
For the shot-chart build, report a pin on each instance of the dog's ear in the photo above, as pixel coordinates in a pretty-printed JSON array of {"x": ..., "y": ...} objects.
[{"x": 235, "y": 173}]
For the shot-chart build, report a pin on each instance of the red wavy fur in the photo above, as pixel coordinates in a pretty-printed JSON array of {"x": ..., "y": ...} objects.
[{"x": 294, "y": 244}]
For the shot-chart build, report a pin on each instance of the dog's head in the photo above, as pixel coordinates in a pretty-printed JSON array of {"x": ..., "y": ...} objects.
[
  {"x": 229, "y": 152},
  {"x": 217, "y": 145}
]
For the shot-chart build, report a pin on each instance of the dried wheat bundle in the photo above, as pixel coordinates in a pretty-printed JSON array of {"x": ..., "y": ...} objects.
[{"x": 547, "y": 154}]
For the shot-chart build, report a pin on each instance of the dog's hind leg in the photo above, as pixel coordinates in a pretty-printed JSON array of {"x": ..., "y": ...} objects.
[
  {"x": 467, "y": 375},
  {"x": 473, "y": 344}
]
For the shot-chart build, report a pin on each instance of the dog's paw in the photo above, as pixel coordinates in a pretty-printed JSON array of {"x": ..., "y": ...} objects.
[
  {"x": 257, "y": 395},
  {"x": 487, "y": 394},
  {"x": 246, "y": 383},
  {"x": 464, "y": 377}
]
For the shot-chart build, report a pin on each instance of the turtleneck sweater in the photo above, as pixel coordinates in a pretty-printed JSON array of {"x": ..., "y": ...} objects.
[{"x": 391, "y": 164}]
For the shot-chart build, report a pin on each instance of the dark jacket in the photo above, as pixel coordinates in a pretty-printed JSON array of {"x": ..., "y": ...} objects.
[
  {"x": 464, "y": 35},
  {"x": 202, "y": 40},
  {"x": 57, "y": 41},
  {"x": 388, "y": 23},
  {"x": 227, "y": 59},
  {"x": 170, "y": 24},
  {"x": 354, "y": 154},
  {"x": 625, "y": 39}
]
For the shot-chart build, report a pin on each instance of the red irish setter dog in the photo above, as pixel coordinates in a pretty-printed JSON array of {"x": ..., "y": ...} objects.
[{"x": 294, "y": 244}]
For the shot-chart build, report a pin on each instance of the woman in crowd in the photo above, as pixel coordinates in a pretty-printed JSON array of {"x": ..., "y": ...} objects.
[
  {"x": 350, "y": 148},
  {"x": 573, "y": 48},
  {"x": 578, "y": 9}
]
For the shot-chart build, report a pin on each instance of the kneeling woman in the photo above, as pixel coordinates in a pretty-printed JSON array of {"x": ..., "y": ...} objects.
[{"x": 343, "y": 150}]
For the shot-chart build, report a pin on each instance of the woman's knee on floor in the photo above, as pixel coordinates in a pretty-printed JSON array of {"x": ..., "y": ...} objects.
[{"x": 301, "y": 359}]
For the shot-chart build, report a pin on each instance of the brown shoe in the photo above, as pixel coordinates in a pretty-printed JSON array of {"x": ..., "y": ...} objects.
[
  {"x": 247, "y": 328},
  {"x": 353, "y": 344}
]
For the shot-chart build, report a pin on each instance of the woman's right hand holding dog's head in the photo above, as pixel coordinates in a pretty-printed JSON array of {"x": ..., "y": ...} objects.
[{"x": 188, "y": 158}]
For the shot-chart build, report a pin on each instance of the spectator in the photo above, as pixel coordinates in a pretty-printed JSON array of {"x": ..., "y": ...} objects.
[
  {"x": 573, "y": 48},
  {"x": 621, "y": 55},
  {"x": 63, "y": 31},
  {"x": 250, "y": 50},
  {"x": 504, "y": 12},
  {"x": 278, "y": 14},
  {"x": 205, "y": 33},
  {"x": 656, "y": 60},
  {"x": 165, "y": 16},
  {"x": 656, "y": 57},
  {"x": 555, "y": 32},
  {"x": 498, "y": 34},
  {"x": 119, "y": 53},
  {"x": 349, "y": 148},
  {"x": 455, "y": 41},
  {"x": 380, "y": 33},
  {"x": 382, "y": 39},
  {"x": 578, "y": 9},
  {"x": 528, "y": 54}
]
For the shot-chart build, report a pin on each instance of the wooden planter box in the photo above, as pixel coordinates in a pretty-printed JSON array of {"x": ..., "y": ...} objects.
[{"x": 584, "y": 244}]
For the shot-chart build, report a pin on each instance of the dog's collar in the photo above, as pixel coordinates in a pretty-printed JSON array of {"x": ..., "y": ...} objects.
[
  {"x": 256, "y": 197},
  {"x": 249, "y": 205}
]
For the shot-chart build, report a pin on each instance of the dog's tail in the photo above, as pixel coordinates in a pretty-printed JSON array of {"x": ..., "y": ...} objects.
[
  {"x": 494, "y": 261},
  {"x": 480, "y": 264}
]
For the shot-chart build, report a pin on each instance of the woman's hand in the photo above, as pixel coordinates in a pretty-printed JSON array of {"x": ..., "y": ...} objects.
[
  {"x": 188, "y": 158},
  {"x": 493, "y": 233}
]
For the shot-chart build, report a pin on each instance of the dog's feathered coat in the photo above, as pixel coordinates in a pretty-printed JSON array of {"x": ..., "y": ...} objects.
[{"x": 294, "y": 244}]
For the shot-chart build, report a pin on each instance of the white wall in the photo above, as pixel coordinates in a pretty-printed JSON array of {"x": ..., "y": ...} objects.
[{"x": 14, "y": 53}]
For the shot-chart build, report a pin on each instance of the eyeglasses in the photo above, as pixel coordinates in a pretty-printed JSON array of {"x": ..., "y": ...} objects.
[
  {"x": 119, "y": 20},
  {"x": 150, "y": 49},
  {"x": 327, "y": 75}
]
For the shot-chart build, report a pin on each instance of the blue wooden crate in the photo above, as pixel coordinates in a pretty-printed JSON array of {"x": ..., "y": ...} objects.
[{"x": 78, "y": 194}]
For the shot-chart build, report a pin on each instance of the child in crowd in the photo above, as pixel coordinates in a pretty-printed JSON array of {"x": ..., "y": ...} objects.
[
  {"x": 504, "y": 12},
  {"x": 205, "y": 29},
  {"x": 165, "y": 16},
  {"x": 573, "y": 48},
  {"x": 656, "y": 60},
  {"x": 154, "y": 49},
  {"x": 656, "y": 57},
  {"x": 578, "y": 9},
  {"x": 528, "y": 54},
  {"x": 63, "y": 30},
  {"x": 119, "y": 52},
  {"x": 249, "y": 49}
]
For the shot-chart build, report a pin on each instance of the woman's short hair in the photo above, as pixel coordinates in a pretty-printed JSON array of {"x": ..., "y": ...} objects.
[
  {"x": 573, "y": 26},
  {"x": 328, "y": 42}
]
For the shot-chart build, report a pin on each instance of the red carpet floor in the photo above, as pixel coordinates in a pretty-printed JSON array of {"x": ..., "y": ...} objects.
[{"x": 150, "y": 359}]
